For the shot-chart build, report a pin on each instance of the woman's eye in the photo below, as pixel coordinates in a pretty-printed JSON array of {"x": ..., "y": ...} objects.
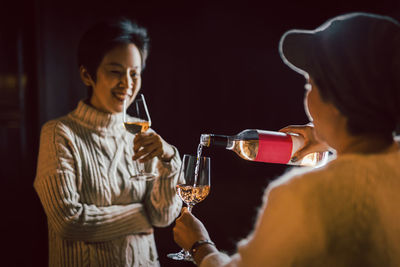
[{"x": 115, "y": 72}]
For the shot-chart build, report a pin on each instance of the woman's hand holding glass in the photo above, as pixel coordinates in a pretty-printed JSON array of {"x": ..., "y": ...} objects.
[
  {"x": 148, "y": 145},
  {"x": 188, "y": 229}
]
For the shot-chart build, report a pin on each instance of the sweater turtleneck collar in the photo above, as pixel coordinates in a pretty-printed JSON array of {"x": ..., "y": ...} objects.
[{"x": 95, "y": 119}]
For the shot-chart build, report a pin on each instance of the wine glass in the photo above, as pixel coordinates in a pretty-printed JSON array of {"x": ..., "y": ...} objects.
[
  {"x": 194, "y": 188},
  {"x": 137, "y": 120}
]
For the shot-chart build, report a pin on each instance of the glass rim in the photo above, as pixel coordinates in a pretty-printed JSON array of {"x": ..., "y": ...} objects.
[{"x": 194, "y": 156}]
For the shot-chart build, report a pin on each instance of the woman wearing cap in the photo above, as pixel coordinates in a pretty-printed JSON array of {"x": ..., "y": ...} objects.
[
  {"x": 97, "y": 215},
  {"x": 347, "y": 212}
]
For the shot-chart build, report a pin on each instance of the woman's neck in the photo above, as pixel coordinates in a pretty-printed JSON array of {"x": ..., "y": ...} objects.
[{"x": 367, "y": 144}]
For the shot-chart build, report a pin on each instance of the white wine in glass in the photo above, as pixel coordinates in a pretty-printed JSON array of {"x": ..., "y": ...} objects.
[
  {"x": 192, "y": 195},
  {"x": 195, "y": 174},
  {"x": 135, "y": 127},
  {"x": 137, "y": 120}
]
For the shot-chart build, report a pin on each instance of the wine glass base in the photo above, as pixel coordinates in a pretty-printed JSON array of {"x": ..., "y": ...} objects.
[{"x": 180, "y": 256}]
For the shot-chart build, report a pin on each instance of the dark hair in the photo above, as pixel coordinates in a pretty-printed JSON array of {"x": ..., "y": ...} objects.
[
  {"x": 354, "y": 60},
  {"x": 106, "y": 35}
]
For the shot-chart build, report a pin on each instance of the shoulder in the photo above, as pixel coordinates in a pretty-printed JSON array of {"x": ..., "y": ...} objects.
[
  {"x": 58, "y": 128},
  {"x": 296, "y": 179},
  {"x": 289, "y": 217},
  {"x": 298, "y": 189},
  {"x": 303, "y": 188},
  {"x": 303, "y": 179},
  {"x": 329, "y": 188}
]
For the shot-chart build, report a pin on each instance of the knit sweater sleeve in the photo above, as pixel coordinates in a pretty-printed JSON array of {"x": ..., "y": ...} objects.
[
  {"x": 162, "y": 204},
  {"x": 58, "y": 188}
]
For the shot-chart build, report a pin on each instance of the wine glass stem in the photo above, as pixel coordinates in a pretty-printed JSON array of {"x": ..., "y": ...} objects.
[
  {"x": 189, "y": 207},
  {"x": 138, "y": 166}
]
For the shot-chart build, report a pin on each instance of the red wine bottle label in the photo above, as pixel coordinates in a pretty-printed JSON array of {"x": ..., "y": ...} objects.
[{"x": 274, "y": 147}]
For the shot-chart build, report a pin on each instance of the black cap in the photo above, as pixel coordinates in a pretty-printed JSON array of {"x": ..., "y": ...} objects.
[{"x": 354, "y": 59}]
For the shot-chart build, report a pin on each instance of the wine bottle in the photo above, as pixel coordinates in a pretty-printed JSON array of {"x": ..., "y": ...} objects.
[{"x": 265, "y": 146}]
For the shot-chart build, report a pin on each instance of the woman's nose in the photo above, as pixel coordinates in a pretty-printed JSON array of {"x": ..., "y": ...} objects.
[{"x": 127, "y": 81}]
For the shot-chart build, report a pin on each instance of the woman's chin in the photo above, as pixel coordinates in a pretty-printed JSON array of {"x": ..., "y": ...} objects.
[
  {"x": 117, "y": 110},
  {"x": 116, "y": 107}
]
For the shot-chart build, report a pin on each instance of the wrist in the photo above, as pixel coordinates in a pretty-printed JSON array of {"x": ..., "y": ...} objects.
[
  {"x": 168, "y": 154},
  {"x": 201, "y": 249}
]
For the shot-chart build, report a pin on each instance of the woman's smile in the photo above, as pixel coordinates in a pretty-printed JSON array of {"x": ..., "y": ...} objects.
[{"x": 121, "y": 96}]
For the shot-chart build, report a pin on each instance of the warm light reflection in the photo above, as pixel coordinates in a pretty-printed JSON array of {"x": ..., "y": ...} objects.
[
  {"x": 243, "y": 151},
  {"x": 10, "y": 81},
  {"x": 316, "y": 159}
]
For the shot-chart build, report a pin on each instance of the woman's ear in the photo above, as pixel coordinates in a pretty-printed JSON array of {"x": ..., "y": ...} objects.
[{"x": 85, "y": 76}]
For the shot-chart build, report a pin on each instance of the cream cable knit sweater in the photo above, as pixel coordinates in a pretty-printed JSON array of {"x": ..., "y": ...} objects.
[{"x": 96, "y": 215}]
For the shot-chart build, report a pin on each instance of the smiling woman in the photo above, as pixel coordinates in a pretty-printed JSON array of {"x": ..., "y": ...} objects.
[{"x": 97, "y": 215}]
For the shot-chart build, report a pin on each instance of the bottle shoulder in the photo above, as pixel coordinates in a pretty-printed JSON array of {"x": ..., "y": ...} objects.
[{"x": 248, "y": 134}]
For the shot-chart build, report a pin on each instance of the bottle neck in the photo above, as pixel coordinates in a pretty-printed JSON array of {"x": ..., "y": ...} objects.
[{"x": 214, "y": 140}]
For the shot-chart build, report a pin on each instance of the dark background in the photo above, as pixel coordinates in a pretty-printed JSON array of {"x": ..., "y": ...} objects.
[{"x": 213, "y": 67}]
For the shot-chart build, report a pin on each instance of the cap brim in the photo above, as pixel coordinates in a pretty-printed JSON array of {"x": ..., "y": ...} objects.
[{"x": 295, "y": 49}]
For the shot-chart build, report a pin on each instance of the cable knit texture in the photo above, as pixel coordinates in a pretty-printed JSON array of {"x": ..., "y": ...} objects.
[{"x": 97, "y": 215}]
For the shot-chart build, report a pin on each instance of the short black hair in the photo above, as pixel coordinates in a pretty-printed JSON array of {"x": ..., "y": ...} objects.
[{"x": 106, "y": 35}]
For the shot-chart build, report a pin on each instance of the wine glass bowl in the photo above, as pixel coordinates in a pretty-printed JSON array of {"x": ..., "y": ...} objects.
[
  {"x": 138, "y": 126},
  {"x": 193, "y": 187},
  {"x": 192, "y": 195}
]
